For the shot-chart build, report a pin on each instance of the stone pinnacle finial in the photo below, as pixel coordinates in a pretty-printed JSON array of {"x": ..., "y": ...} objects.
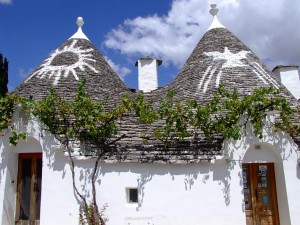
[
  {"x": 80, "y": 21},
  {"x": 214, "y": 10},
  {"x": 79, "y": 34},
  {"x": 215, "y": 23}
]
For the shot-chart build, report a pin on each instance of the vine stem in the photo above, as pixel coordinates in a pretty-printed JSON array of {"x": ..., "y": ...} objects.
[
  {"x": 72, "y": 167},
  {"x": 95, "y": 204},
  {"x": 96, "y": 166}
]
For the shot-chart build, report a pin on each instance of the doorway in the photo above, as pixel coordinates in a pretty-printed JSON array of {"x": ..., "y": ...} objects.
[
  {"x": 29, "y": 189},
  {"x": 260, "y": 196}
]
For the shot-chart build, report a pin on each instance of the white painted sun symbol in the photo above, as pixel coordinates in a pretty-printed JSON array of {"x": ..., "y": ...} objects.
[{"x": 63, "y": 62}]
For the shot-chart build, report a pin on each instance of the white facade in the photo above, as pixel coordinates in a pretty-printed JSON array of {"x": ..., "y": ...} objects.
[
  {"x": 204, "y": 193},
  {"x": 289, "y": 77}
]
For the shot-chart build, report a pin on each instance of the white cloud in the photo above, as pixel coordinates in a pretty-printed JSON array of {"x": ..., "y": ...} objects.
[
  {"x": 23, "y": 73},
  {"x": 170, "y": 37},
  {"x": 120, "y": 70},
  {"x": 268, "y": 28},
  {"x": 5, "y": 1}
]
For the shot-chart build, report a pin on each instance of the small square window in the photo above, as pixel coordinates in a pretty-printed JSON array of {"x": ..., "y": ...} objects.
[{"x": 132, "y": 195}]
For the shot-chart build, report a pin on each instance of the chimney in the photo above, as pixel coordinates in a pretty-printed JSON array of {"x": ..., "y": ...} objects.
[
  {"x": 147, "y": 73},
  {"x": 289, "y": 77}
]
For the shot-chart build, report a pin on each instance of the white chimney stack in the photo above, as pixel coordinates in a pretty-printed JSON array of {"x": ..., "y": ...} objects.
[
  {"x": 289, "y": 77},
  {"x": 147, "y": 73}
]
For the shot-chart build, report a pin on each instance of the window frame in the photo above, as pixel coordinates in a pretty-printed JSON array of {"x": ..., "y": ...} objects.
[
  {"x": 129, "y": 195},
  {"x": 33, "y": 197}
]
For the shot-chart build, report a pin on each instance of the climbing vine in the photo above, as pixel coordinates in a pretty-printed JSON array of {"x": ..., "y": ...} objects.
[
  {"x": 8, "y": 105},
  {"x": 228, "y": 113},
  {"x": 88, "y": 122}
]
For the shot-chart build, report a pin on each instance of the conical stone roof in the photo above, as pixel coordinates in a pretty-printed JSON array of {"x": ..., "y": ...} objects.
[
  {"x": 74, "y": 61},
  {"x": 220, "y": 58}
]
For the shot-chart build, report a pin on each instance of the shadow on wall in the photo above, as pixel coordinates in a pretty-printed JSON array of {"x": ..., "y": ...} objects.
[
  {"x": 142, "y": 181},
  {"x": 9, "y": 200},
  {"x": 57, "y": 160},
  {"x": 52, "y": 151},
  {"x": 273, "y": 147},
  {"x": 298, "y": 164},
  {"x": 190, "y": 175},
  {"x": 277, "y": 140},
  {"x": 4, "y": 146},
  {"x": 222, "y": 174},
  {"x": 29, "y": 145},
  {"x": 298, "y": 171}
]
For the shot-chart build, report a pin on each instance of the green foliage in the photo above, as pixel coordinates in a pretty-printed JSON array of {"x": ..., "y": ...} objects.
[
  {"x": 82, "y": 118},
  {"x": 8, "y": 105},
  {"x": 86, "y": 119},
  {"x": 228, "y": 114},
  {"x": 176, "y": 119},
  {"x": 144, "y": 109}
]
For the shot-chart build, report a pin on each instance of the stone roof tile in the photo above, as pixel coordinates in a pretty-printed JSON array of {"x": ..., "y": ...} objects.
[
  {"x": 74, "y": 61},
  {"x": 219, "y": 57}
]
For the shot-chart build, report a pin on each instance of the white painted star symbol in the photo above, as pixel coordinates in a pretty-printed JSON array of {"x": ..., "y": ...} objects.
[{"x": 232, "y": 59}]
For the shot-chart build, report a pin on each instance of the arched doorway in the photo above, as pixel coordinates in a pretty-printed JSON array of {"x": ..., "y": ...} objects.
[
  {"x": 264, "y": 189},
  {"x": 29, "y": 182}
]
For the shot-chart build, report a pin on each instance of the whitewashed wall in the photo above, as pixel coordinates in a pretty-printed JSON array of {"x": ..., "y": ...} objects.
[
  {"x": 281, "y": 150},
  {"x": 207, "y": 193},
  {"x": 289, "y": 77}
]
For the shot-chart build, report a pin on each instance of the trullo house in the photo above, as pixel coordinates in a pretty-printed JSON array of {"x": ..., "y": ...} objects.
[{"x": 249, "y": 181}]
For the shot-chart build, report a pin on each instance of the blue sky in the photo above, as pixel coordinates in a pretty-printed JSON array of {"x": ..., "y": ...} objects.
[{"x": 124, "y": 31}]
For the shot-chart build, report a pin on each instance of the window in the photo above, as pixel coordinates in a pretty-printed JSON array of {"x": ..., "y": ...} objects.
[{"x": 132, "y": 195}]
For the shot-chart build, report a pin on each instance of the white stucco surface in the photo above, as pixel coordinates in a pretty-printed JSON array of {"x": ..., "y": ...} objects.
[
  {"x": 147, "y": 74},
  {"x": 289, "y": 77},
  {"x": 205, "y": 193},
  {"x": 79, "y": 34},
  {"x": 215, "y": 24}
]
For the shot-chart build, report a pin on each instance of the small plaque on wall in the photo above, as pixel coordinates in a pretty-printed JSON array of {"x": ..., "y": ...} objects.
[{"x": 138, "y": 221}]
